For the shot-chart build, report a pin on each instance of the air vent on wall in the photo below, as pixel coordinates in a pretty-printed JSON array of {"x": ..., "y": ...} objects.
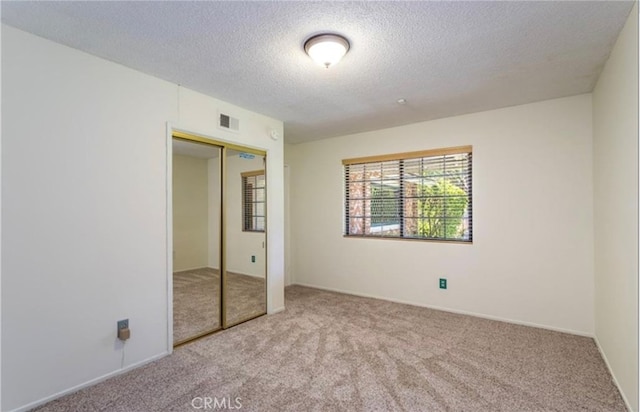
[{"x": 228, "y": 123}]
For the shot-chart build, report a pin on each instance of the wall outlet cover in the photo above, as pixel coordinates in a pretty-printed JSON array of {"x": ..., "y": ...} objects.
[{"x": 443, "y": 283}]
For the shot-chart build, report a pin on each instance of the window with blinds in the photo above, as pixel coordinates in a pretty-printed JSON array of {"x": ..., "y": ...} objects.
[
  {"x": 253, "y": 201},
  {"x": 421, "y": 195}
]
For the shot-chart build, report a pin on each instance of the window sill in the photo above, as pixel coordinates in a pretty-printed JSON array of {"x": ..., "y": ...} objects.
[{"x": 410, "y": 239}]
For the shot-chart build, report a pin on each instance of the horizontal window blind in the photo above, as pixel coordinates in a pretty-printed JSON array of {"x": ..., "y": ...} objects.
[
  {"x": 420, "y": 195},
  {"x": 253, "y": 201}
]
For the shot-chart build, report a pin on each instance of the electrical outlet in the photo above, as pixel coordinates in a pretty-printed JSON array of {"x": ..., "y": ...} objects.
[
  {"x": 253, "y": 259},
  {"x": 123, "y": 324},
  {"x": 443, "y": 283}
]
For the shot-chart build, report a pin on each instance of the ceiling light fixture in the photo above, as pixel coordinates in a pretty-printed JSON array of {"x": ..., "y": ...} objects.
[{"x": 326, "y": 49}]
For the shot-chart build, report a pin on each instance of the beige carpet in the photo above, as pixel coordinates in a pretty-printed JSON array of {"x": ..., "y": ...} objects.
[
  {"x": 196, "y": 301},
  {"x": 335, "y": 352},
  {"x": 247, "y": 297}
]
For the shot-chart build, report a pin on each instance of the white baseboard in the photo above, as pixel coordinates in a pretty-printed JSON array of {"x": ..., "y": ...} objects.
[
  {"x": 276, "y": 310},
  {"x": 194, "y": 268},
  {"x": 460, "y": 312},
  {"x": 189, "y": 269},
  {"x": 245, "y": 274},
  {"x": 228, "y": 270},
  {"x": 89, "y": 383},
  {"x": 613, "y": 376}
]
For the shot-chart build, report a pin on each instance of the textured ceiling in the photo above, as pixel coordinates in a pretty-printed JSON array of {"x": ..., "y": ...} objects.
[{"x": 444, "y": 58}]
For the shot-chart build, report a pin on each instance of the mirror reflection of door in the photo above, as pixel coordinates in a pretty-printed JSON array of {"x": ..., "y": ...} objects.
[
  {"x": 245, "y": 240},
  {"x": 196, "y": 239}
]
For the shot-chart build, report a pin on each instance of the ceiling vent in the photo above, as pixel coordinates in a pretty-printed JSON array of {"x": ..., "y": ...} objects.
[{"x": 228, "y": 123}]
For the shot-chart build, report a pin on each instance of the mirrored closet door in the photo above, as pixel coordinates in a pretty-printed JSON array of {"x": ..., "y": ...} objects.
[
  {"x": 197, "y": 282},
  {"x": 245, "y": 227},
  {"x": 219, "y": 235}
]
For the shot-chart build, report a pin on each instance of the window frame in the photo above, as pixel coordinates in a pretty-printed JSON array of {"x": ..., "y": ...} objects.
[
  {"x": 369, "y": 230},
  {"x": 249, "y": 206}
]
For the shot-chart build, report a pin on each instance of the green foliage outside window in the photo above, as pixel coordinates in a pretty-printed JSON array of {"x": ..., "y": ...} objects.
[
  {"x": 441, "y": 207},
  {"x": 422, "y": 195},
  {"x": 385, "y": 205}
]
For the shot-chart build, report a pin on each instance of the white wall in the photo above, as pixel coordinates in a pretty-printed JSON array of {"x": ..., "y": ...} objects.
[
  {"x": 190, "y": 213},
  {"x": 287, "y": 225},
  {"x": 84, "y": 213},
  {"x": 196, "y": 216},
  {"x": 531, "y": 259},
  {"x": 1, "y": 214},
  {"x": 242, "y": 245},
  {"x": 215, "y": 185},
  {"x": 615, "y": 139}
]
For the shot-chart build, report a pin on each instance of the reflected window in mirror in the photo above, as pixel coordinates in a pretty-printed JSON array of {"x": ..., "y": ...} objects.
[{"x": 253, "y": 201}]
